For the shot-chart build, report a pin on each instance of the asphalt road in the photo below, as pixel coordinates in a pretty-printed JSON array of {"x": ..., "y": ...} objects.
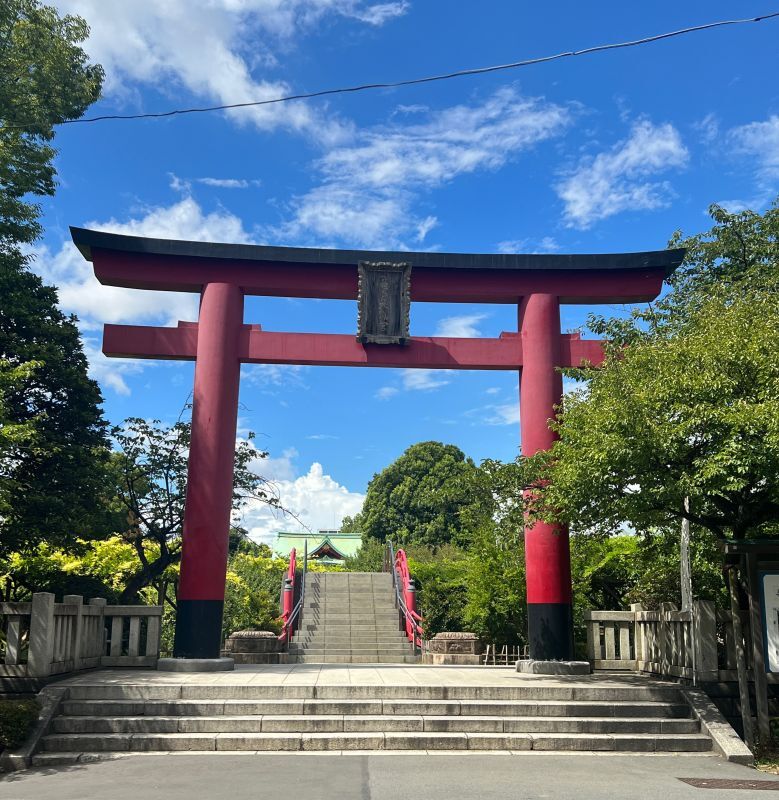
[{"x": 380, "y": 777}]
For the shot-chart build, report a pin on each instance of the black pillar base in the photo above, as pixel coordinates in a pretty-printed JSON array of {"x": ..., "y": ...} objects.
[
  {"x": 198, "y": 629},
  {"x": 550, "y": 631}
]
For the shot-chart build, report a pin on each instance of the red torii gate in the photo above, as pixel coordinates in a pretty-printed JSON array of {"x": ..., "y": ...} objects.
[{"x": 220, "y": 342}]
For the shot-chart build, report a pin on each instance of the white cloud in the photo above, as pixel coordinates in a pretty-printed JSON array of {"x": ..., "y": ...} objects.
[
  {"x": 316, "y": 499},
  {"x": 423, "y": 380},
  {"x": 545, "y": 245},
  {"x": 228, "y": 183},
  {"x": 214, "y": 49},
  {"x": 619, "y": 179},
  {"x": 385, "y": 392},
  {"x": 277, "y": 469},
  {"x": 271, "y": 376},
  {"x": 708, "y": 128},
  {"x": 369, "y": 186},
  {"x": 81, "y": 294},
  {"x": 504, "y": 414},
  {"x": 380, "y": 13},
  {"x": 759, "y": 141},
  {"x": 110, "y": 372},
  {"x": 464, "y": 326}
]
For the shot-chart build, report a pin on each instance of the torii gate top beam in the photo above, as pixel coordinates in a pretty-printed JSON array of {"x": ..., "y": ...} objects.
[{"x": 170, "y": 265}]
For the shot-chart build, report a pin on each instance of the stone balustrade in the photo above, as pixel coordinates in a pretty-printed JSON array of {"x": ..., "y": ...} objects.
[
  {"x": 665, "y": 642},
  {"x": 45, "y": 638}
]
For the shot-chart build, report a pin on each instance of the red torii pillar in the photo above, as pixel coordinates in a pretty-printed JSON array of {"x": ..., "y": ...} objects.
[
  {"x": 547, "y": 553},
  {"x": 219, "y": 342},
  {"x": 200, "y": 599}
]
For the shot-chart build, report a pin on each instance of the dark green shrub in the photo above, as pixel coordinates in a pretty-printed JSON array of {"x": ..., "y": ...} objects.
[{"x": 17, "y": 718}]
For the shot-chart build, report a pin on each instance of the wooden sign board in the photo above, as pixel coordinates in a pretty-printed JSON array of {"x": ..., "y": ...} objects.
[{"x": 383, "y": 302}]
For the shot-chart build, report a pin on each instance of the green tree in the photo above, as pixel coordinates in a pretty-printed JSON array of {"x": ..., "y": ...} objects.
[
  {"x": 46, "y": 80},
  {"x": 689, "y": 409},
  {"x": 52, "y": 472},
  {"x": 150, "y": 471},
  {"x": 424, "y": 497}
]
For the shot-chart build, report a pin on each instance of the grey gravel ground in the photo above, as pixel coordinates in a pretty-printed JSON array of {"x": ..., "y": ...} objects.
[{"x": 329, "y": 776}]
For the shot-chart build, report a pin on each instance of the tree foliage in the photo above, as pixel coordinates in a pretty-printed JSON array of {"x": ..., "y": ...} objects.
[
  {"x": 46, "y": 80},
  {"x": 52, "y": 458},
  {"x": 424, "y": 497},
  {"x": 686, "y": 405},
  {"x": 150, "y": 470}
]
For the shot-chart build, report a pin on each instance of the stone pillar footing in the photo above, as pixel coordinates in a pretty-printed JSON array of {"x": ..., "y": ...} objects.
[
  {"x": 534, "y": 667},
  {"x": 195, "y": 664}
]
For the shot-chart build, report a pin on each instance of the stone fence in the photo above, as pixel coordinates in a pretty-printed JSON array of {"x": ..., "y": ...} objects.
[
  {"x": 45, "y": 638},
  {"x": 696, "y": 643}
]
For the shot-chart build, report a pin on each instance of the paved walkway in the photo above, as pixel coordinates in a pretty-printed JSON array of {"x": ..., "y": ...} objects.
[
  {"x": 352, "y": 675},
  {"x": 354, "y": 776}
]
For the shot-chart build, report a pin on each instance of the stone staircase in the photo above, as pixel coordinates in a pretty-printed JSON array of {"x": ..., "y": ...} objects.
[
  {"x": 350, "y": 617},
  {"x": 104, "y": 718}
]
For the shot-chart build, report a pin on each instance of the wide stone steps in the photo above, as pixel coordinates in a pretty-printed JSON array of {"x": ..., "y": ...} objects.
[{"x": 105, "y": 719}]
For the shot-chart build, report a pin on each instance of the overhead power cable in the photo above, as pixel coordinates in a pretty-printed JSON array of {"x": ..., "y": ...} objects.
[{"x": 411, "y": 81}]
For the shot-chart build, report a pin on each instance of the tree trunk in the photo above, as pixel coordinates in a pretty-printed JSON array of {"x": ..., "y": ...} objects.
[{"x": 147, "y": 575}]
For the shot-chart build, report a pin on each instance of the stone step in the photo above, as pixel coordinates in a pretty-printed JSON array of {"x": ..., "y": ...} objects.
[
  {"x": 326, "y": 627},
  {"x": 390, "y": 620},
  {"x": 303, "y": 658},
  {"x": 351, "y": 644},
  {"x": 374, "y": 635},
  {"x": 528, "y": 693},
  {"x": 330, "y": 723},
  {"x": 372, "y": 706},
  {"x": 128, "y": 742},
  {"x": 345, "y": 651}
]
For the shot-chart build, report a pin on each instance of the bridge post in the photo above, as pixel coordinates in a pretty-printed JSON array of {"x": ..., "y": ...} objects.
[
  {"x": 547, "y": 554},
  {"x": 200, "y": 601}
]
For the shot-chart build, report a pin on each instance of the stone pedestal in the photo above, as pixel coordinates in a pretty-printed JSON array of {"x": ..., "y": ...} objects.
[
  {"x": 195, "y": 664},
  {"x": 453, "y": 648},
  {"x": 536, "y": 667},
  {"x": 255, "y": 647}
]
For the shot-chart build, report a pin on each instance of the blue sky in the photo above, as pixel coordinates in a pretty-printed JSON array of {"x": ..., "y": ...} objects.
[{"x": 609, "y": 152}]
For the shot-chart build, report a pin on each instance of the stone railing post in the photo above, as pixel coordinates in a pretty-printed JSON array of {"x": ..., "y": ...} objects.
[
  {"x": 704, "y": 633},
  {"x": 665, "y": 635},
  {"x": 41, "y": 652},
  {"x": 78, "y": 627},
  {"x": 639, "y": 647},
  {"x": 99, "y": 642}
]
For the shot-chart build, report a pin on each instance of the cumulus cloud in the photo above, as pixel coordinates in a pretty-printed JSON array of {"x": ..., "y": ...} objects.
[
  {"x": 315, "y": 499},
  {"x": 215, "y": 48},
  {"x": 369, "y": 186},
  {"x": 81, "y": 294},
  {"x": 622, "y": 178}
]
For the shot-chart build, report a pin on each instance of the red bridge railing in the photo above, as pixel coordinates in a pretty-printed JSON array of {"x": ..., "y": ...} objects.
[
  {"x": 293, "y": 585},
  {"x": 405, "y": 595}
]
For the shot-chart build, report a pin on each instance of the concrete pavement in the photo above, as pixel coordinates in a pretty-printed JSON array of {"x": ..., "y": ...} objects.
[{"x": 385, "y": 776}]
